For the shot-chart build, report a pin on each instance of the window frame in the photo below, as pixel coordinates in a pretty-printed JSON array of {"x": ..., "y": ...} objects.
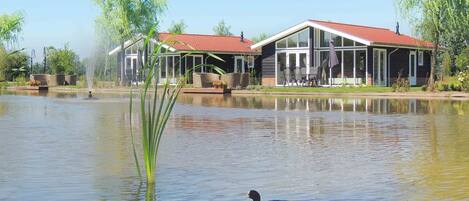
[
  {"x": 420, "y": 58},
  {"x": 297, "y": 36}
]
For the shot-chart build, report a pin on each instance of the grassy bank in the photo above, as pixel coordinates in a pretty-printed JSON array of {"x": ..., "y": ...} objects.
[{"x": 334, "y": 90}]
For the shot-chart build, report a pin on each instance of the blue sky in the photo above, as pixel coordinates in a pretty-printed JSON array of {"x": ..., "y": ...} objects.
[{"x": 57, "y": 22}]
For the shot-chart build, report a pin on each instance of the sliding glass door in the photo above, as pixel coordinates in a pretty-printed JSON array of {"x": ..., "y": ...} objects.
[
  {"x": 170, "y": 68},
  {"x": 379, "y": 67},
  {"x": 292, "y": 66}
]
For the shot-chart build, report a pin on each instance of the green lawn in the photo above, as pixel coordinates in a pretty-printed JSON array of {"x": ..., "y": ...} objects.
[{"x": 335, "y": 90}]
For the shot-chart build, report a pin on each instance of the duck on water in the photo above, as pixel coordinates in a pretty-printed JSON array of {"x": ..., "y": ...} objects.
[{"x": 256, "y": 196}]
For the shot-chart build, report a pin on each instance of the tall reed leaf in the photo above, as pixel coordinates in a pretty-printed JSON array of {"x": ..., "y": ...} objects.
[{"x": 157, "y": 105}]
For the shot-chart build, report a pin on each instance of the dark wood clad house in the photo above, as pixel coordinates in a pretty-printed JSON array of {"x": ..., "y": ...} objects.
[
  {"x": 235, "y": 52},
  {"x": 367, "y": 55}
]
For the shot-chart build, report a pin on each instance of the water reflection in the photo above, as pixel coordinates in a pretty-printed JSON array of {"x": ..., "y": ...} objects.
[{"x": 219, "y": 147}]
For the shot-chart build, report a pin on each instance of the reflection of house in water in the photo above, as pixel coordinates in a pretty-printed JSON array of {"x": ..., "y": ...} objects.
[{"x": 376, "y": 106}]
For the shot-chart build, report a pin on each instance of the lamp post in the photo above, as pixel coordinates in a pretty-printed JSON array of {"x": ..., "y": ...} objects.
[
  {"x": 45, "y": 60},
  {"x": 33, "y": 55}
]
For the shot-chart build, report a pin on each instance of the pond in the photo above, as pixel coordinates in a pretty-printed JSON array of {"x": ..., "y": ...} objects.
[{"x": 57, "y": 146}]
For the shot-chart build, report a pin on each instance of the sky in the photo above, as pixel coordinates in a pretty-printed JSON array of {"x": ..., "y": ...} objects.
[{"x": 72, "y": 22}]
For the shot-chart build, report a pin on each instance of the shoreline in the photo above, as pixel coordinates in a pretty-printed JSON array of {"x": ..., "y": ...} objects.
[{"x": 393, "y": 95}]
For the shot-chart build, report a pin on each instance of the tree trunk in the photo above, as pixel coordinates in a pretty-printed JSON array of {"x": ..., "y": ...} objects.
[
  {"x": 431, "y": 80},
  {"x": 122, "y": 70}
]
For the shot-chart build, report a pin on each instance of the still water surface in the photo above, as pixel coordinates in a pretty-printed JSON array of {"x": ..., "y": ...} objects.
[{"x": 60, "y": 147}]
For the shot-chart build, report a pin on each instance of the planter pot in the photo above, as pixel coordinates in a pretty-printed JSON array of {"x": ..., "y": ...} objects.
[
  {"x": 42, "y": 78},
  {"x": 244, "y": 82},
  {"x": 196, "y": 80},
  {"x": 232, "y": 80},
  {"x": 70, "y": 80}
]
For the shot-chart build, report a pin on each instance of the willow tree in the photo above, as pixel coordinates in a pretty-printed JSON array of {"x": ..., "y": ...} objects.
[
  {"x": 178, "y": 27},
  {"x": 124, "y": 19},
  {"x": 222, "y": 29},
  {"x": 10, "y": 26},
  {"x": 430, "y": 21}
]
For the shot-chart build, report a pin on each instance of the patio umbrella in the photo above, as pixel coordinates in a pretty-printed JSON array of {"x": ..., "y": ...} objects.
[{"x": 333, "y": 60}]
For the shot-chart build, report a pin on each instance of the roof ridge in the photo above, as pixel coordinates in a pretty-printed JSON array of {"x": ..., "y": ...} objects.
[
  {"x": 193, "y": 34},
  {"x": 355, "y": 25}
]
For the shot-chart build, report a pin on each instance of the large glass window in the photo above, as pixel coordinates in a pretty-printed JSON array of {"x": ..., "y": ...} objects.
[
  {"x": 281, "y": 66},
  {"x": 163, "y": 67},
  {"x": 348, "y": 67},
  {"x": 360, "y": 66},
  {"x": 337, "y": 69},
  {"x": 298, "y": 40},
  {"x": 303, "y": 38},
  {"x": 325, "y": 37},
  {"x": 350, "y": 70},
  {"x": 177, "y": 66},
  {"x": 348, "y": 42},
  {"x": 337, "y": 40},
  {"x": 282, "y": 44},
  {"x": 292, "y": 41}
]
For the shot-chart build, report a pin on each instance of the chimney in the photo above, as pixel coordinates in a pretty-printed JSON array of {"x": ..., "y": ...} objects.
[
  {"x": 242, "y": 37},
  {"x": 397, "y": 29}
]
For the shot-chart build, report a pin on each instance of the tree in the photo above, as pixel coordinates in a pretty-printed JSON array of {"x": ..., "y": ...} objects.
[
  {"x": 222, "y": 29},
  {"x": 12, "y": 64},
  {"x": 462, "y": 60},
  {"x": 10, "y": 27},
  {"x": 260, "y": 37},
  {"x": 124, "y": 19},
  {"x": 428, "y": 18},
  {"x": 178, "y": 27},
  {"x": 446, "y": 64},
  {"x": 62, "y": 61}
]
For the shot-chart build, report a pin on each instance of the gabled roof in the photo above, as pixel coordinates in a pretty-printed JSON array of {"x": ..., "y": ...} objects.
[
  {"x": 199, "y": 42},
  {"x": 209, "y": 43},
  {"x": 371, "y": 36}
]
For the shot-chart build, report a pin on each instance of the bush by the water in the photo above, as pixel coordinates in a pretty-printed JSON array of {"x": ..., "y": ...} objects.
[
  {"x": 449, "y": 84},
  {"x": 463, "y": 78},
  {"x": 401, "y": 85}
]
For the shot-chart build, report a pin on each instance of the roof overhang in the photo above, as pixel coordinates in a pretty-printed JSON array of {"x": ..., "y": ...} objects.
[
  {"x": 135, "y": 40},
  {"x": 401, "y": 46},
  {"x": 304, "y": 25}
]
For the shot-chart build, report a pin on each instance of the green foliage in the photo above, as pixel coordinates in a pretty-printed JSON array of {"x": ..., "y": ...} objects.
[
  {"x": 462, "y": 60},
  {"x": 449, "y": 84},
  {"x": 123, "y": 19},
  {"x": 10, "y": 27},
  {"x": 463, "y": 78},
  {"x": 178, "y": 27},
  {"x": 62, "y": 61},
  {"x": 260, "y": 37},
  {"x": 435, "y": 21},
  {"x": 446, "y": 63},
  {"x": 12, "y": 64},
  {"x": 401, "y": 85},
  {"x": 156, "y": 106},
  {"x": 222, "y": 29}
]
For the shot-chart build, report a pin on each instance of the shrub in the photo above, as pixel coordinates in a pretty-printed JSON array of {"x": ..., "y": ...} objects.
[
  {"x": 462, "y": 60},
  {"x": 449, "y": 84},
  {"x": 401, "y": 85},
  {"x": 463, "y": 78}
]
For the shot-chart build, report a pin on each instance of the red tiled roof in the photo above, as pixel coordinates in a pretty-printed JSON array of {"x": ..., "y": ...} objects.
[
  {"x": 210, "y": 43},
  {"x": 377, "y": 36}
]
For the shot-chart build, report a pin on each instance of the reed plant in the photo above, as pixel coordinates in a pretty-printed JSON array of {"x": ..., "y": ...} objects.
[{"x": 156, "y": 103}]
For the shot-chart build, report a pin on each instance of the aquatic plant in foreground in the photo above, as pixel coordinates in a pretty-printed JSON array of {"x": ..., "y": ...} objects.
[{"x": 156, "y": 106}]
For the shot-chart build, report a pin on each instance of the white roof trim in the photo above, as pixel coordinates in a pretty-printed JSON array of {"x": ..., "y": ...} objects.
[
  {"x": 140, "y": 37},
  {"x": 304, "y": 25}
]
